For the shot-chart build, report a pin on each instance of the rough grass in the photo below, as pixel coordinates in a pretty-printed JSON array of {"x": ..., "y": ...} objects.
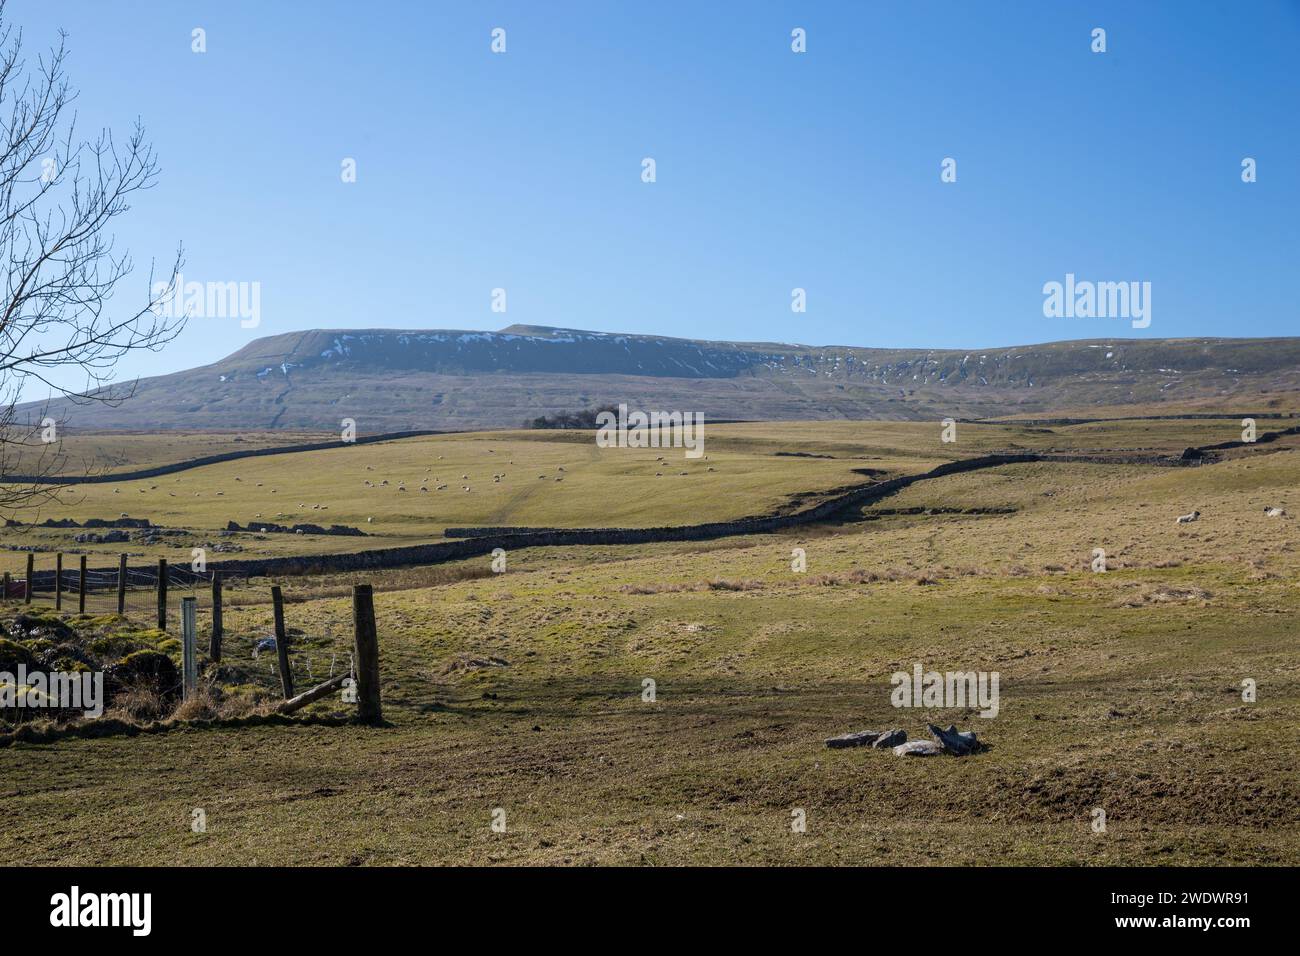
[
  {"x": 524, "y": 692},
  {"x": 742, "y": 475}
]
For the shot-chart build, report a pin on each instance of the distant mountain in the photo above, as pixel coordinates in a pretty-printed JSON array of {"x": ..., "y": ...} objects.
[{"x": 389, "y": 379}]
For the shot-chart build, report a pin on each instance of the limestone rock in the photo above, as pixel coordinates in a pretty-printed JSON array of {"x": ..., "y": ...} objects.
[{"x": 918, "y": 748}]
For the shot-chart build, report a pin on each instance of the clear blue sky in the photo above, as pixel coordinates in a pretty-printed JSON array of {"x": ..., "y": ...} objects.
[{"x": 775, "y": 170}]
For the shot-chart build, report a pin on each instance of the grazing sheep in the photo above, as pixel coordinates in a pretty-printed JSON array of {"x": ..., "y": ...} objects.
[
  {"x": 559, "y": 479},
  {"x": 441, "y": 488},
  {"x": 370, "y": 521},
  {"x": 1187, "y": 519},
  {"x": 464, "y": 477},
  {"x": 465, "y": 488},
  {"x": 1275, "y": 512},
  {"x": 561, "y": 468}
]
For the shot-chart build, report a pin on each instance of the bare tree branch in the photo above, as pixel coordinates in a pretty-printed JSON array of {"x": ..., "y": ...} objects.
[{"x": 58, "y": 198}]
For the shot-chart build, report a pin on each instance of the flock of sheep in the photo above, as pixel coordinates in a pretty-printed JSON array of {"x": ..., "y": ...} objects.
[{"x": 1269, "y": 512}]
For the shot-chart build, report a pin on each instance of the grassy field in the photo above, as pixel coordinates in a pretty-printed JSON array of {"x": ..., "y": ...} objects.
[
  {"x": 523, "y": 691},
  {"x": 407, "y": 492}
]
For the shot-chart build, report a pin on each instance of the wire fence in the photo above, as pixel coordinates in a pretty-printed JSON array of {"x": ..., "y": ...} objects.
[{"x": 320, "y": 645}]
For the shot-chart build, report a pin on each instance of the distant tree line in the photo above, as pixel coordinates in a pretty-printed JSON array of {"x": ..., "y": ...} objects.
[{"x": 581, "y": 419}]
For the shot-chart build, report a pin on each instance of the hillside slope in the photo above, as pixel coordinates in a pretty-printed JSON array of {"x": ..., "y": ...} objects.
[{"x": 395, "y": 379}]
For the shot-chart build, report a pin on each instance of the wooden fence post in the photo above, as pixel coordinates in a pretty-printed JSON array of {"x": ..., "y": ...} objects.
[
  {"x": 31, "y": 569},
  {"x": 162, "y": 594},
  {"x": 214, "y": 646},
  {"x": 121, "y": 584},
  {"x": 81, "y": 587},
  {"x": 367, "y": 654},
  {"x": 281, "y": 641},
  {"x": 58, "y": 581}
]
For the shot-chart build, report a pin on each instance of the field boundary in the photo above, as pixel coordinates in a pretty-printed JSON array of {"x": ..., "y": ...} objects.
[
  {"x": 176, "y": 466},
  {"x": 480, "y": 544}
]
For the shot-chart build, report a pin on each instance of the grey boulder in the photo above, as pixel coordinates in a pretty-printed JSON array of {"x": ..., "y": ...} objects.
[
  {"x": 954, "y": 741},
  {"x": 862, "y": 738},
  {"x": 918, "y": 748}
]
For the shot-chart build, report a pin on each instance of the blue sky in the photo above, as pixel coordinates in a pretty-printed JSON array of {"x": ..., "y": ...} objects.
[{"x": 775, "y": 170}]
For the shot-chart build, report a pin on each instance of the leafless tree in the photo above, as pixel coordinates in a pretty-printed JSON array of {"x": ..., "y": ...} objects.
[{"x": 59, "y": 195}]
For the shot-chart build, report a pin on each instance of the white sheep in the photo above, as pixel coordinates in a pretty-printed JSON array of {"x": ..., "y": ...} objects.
[
  {"x": 1187, "y": 519},
  {"x": 1275, "y": 512}
]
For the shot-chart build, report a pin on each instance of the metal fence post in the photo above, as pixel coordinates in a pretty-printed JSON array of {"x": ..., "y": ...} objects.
[{"x": 189, "y": 655}]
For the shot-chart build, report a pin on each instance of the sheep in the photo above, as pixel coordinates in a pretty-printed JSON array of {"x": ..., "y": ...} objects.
[
  {"x": 370, "y": 520},
  {"x": 559, "y": 479},
  {"x": 1275, "y": 512},
  {"x": 1187, "y": 519}
]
